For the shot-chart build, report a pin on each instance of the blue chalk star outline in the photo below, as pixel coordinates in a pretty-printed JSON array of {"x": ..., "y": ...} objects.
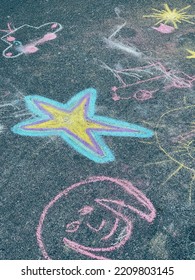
[{"x": 77, "y": 124}]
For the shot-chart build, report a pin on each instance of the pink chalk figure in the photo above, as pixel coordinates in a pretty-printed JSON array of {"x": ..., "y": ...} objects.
[
  {"x": 118, "y": 201},
  {"x": 26, "y": 38},
  {"x": 163, "y": 28},
  {"x": 145, "y": 75}
]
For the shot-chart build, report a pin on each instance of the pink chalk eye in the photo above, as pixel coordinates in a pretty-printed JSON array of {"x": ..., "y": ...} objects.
[{"x": 73, "y": 227}]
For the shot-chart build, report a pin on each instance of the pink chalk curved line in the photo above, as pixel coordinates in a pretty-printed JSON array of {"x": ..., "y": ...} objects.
[
  {"x": 81, "y": 249},
  {"x": 9, "y": 28},
  {"x": 133, "y": 191},
  {"x": 130, "y": 189},
  {"x": 77, "y": 223},
  {"x": 99, "y": 228},
  {"x": 121, "y": 203},
  {"x": 143, "y": 94},
  {"x": 85, "y": 210},
  {"x": 112, "y": 230}
]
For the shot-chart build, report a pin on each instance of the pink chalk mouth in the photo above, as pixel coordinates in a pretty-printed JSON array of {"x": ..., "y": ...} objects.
[{"x": 74, "y": 245}]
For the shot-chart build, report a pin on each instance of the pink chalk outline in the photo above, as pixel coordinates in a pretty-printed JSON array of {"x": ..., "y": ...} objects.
[
  {"x": 111, "y": 205},
  {"x": 164, "y": 28},
  {"x": 31, "y": 47},
  {"x": 174, "y": 79}
]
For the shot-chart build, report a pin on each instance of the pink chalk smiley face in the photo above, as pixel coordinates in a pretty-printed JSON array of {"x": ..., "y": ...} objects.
[
  {"x": 92, "y": 218},
  {"x": 26, "y": 39}
]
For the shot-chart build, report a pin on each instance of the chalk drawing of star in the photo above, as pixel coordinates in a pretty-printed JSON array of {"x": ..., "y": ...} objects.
[
  {"x": 76, "y": 123},
  {"x": 192, "y": 54}
]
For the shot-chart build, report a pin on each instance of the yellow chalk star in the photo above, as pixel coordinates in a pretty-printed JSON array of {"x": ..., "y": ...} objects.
[
  {"x": 77, "y": 123},
  {"x": 171, "y": 16},
  {"x": 192, "y": 54}
]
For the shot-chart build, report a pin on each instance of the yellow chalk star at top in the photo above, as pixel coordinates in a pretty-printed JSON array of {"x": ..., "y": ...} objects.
[
  {"x": 192, "y": 54},
  {"x": 171, "y": 16}
]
